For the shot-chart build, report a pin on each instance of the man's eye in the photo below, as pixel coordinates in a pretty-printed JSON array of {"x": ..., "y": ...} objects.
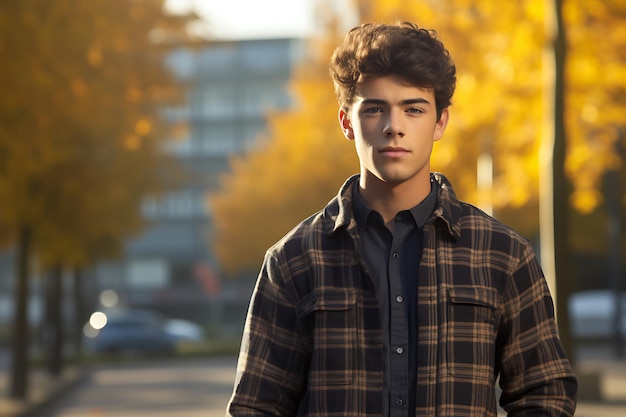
[
  {"x": 414, "y": 110},
  {"x": 373, "y": 110}
]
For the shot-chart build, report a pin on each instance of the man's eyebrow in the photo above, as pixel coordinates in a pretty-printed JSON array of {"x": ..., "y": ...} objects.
[{"x": 403, "y": 102}]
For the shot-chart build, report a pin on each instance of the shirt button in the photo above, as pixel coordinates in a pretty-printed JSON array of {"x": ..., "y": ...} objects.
[
  {"x": 399, "y": 350},
  {"x": 399, "y": 402},
  {"x": 399, "y": 299},
  {"x": 395, "y": 255}
]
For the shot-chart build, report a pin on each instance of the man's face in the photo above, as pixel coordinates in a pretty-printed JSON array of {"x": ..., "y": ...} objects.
[{"x": 393, "y": 125}]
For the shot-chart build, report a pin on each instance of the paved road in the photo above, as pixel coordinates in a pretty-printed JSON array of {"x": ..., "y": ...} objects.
[
  {"x": 182, "y": 388},
  {"x": 201, "y": 388}
]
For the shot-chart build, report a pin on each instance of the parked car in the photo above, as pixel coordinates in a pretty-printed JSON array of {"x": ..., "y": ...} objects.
[
  {"x": 140, "y": 331},
  {"x": 592, "y": 314},
  {"x": 184, "y": 331}
]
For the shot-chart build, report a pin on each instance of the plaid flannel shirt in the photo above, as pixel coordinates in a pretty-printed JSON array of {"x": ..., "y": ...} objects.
[{"x": 312, "y": 343}]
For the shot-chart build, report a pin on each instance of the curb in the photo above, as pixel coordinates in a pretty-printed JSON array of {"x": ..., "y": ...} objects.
[{"x": 44, "y": 395}]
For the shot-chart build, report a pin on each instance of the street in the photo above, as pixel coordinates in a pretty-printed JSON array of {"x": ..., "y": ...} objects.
[
  {"x": 201, "y": 387},
  {"x": 182, "y": 388}
]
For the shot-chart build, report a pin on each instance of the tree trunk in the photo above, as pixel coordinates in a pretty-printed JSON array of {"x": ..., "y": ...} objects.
[
  {"x": 562, "y": 187},
  {"x": 79, "y": 315},
  {"x": 53, "y": 331},
  {"x": 613, "y": 193},
  {"x": 21, "y": 329}
]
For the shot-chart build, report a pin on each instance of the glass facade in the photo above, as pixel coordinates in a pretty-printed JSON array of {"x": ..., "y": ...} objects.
[{"x": 230, "y": 87}]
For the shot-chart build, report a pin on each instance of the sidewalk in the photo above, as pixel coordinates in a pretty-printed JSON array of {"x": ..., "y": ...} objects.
[
  {"x": 43, "y": 388},
  {"x": 602, "y": 389}
]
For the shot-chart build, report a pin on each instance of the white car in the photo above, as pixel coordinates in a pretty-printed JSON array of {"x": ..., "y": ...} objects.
[
  {"x": 123, "y": 330},
  {"x": 183, "y": 330},
  {"x": 592, "y": 314}
]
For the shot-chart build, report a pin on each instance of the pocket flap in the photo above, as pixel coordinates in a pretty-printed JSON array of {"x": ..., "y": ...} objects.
[
  {"x": 335, "y": 299},
  {"x": 469, "y": 294}
]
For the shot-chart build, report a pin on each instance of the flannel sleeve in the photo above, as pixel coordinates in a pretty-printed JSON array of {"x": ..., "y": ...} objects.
[
  {"x": 536, "y": 378},
  {"x": 272, "y": 365}
]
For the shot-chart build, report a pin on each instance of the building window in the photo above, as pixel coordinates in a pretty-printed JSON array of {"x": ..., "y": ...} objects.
[
  {"x": 184, "y": 204},
  {"x": 213, "y": 101},
  {"x": 179, "y": 147},
  {"x": 147, "y": 274},
  {"x": 260, "y": 97}
]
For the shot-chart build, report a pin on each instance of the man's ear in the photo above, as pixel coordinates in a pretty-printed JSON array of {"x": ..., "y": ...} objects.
[
  {"x": 346, "y": 125},
  {"x": 440, "y": 127}
]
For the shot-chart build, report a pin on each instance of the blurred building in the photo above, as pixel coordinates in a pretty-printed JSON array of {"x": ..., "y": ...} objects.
[{"x": 230, "y": 86}]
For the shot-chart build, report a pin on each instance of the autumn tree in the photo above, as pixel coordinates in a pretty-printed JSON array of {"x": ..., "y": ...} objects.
[
  {"x": 596, "y": 95},
  {"x": 595, "y": 104},
  {"x": 596, "y": 99},
  {"x": 80, "y": 133}
]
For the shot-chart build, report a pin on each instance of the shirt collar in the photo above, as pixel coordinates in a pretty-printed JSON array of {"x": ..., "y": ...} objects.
[
  {"x": 420, "y": 213},
  {"x": 447, "y": 207}
]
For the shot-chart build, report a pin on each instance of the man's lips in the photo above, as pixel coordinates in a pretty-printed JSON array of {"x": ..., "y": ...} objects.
[{"x": 393, "y": 152}]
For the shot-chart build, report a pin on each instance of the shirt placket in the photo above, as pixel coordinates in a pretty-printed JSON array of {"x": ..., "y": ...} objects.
[{"x": 398, "y": 336}]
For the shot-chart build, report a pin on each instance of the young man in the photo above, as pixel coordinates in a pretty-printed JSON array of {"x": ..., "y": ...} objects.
[{"x": 398, "y": 300}]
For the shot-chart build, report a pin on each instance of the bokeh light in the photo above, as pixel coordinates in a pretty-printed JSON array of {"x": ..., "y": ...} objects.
[
  {"x": 98, "y": 320},
  {"x": 109, "y": 298}
]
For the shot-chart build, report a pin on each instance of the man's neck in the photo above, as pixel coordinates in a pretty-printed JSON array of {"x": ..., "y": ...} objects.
[{"x": 389, "y": 199}]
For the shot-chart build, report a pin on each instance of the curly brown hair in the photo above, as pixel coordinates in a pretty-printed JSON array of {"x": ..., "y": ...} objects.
[{"x": 403, "y": 49}]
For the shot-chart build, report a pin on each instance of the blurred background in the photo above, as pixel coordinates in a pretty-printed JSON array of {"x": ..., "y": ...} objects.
[{"x": 151, "y": 151}]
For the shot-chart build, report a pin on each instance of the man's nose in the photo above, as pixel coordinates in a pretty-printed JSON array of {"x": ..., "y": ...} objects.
[{"x": 394, "y": 125}]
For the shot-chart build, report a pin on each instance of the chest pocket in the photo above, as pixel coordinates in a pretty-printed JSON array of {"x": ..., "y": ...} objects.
[
  {"x": 331, "y": 315},
  {"x": 471, "y": 332}
]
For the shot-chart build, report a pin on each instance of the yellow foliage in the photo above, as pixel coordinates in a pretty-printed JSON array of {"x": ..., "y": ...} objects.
[
  {"x": 596, "y": 96},
  {"x": 143, "y": 127},
  {"x": 132, "y": 142},
  {"x": 585, "y": 201},
  {"x": 94, "y": 55},
  {"x": 133, "y": 94}
]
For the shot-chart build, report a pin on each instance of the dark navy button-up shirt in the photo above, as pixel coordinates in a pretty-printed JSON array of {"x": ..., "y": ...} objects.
[{"x": 393, "y": 260}]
